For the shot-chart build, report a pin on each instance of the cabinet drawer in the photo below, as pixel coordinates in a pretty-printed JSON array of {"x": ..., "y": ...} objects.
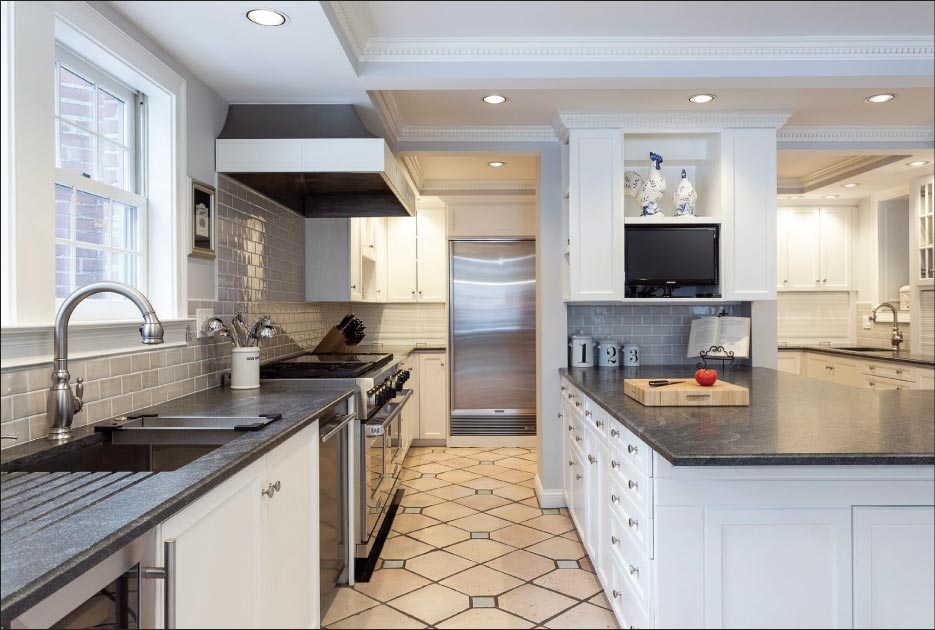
[
  {"x": 637, "y": 573},
  {"x": 596, "y": 417},
  {"x": 634, "y": 488},
  {"x": 633, "y": 523},
  {"x": 878, "y": 382},
  {"x": 571, "y": 394},
  {"x": 625, "y": 601},
  {"x": 890, "y": 370},
  {"x": 627, "y": 447}
]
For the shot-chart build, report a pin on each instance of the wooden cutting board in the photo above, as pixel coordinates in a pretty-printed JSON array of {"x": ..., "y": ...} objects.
[{"x": 686, "y": 394}]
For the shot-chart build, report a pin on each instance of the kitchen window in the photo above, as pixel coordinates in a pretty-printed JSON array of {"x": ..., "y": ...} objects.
[{"x": 100, "y": 213}]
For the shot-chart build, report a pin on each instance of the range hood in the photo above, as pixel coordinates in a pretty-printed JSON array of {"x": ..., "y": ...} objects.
[{"x": 318, "y": 160}]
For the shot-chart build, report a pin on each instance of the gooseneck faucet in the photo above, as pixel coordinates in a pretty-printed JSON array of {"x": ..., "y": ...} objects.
[
  {"x": 63, "y": 404},
  {"x": 897, "y": 337}
]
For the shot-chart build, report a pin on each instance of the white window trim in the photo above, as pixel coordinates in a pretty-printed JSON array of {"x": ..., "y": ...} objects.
[{"x": 33, "y": 31}]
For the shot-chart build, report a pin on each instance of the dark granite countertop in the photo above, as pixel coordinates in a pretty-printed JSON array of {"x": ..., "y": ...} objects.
[
  {"x": 402, "y": 350},
  {"x": 791, "y": 420},
  {"x": 41, "y": 555},
  {"x": 882, "y": 354}
]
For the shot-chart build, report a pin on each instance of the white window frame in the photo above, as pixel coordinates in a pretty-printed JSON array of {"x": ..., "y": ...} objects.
[{"x": 32, "y": 30}]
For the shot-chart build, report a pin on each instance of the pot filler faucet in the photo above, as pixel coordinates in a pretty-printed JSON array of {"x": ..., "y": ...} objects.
[
  {"x": 897, "y": 337},
  {"x": 62, "y": 404}
]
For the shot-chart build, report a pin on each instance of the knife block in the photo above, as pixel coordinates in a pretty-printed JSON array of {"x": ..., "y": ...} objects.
[{"x": 333, "y": 342}]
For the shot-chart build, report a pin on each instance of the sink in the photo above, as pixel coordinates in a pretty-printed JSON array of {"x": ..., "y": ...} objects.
[{"x": 110, "y": 457}]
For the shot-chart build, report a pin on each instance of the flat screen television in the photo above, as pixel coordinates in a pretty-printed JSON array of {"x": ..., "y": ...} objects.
[{"x": 666, "y": 255}]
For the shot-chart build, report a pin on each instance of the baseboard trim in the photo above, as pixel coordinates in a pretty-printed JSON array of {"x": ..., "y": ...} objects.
[
  {"x": 549, "y": 498},
  {"x": 493, "y": 441}
]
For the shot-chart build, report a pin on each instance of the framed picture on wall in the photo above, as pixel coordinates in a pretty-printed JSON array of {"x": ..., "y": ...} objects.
[{"x": 203, "y": 221}]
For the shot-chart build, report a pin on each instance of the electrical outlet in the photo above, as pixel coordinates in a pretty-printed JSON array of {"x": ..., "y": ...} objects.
[
  {"x": 201, "y": 316},
  {"x": 868, "y": 325}
]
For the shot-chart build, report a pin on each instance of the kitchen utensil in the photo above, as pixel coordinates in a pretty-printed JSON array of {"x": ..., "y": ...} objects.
[
  {"x": 663, "y": 383},
  {"x": 631, "y": 355},
  {"x": 582, "y": 350},
  {"x": 608, "y": 353},
  {"x": 344, "y": 322},
  {"x": 240, "y": 329},
  {"x": 686, "y": 394}
]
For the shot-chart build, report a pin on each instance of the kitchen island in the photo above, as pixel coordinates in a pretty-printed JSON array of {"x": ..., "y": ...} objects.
[
  {"x": 51, "y": 538},
  {"x": 812, "y": 507}
]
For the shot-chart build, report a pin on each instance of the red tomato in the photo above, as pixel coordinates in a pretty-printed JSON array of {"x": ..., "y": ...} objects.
[{"x": 705, "y": 377}]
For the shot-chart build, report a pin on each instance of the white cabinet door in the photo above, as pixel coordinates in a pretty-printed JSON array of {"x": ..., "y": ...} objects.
[
  {"x": 291, "y": 554},
  {"x": 802, "y": 229},
  {"x": 578, "y": 494},
  {"x": 790, "y": 362},
  {"x": 926, "y": 379},
  {"x": 218, "y": 554},
  {"x": 412, "y": 407},
  {"x": 835, "y": 248},
  {"x": 894, "y": 565},
  {"x": 356, "y": 281},
  {"x": 749, "y": 228},
  {"x": 846, "y": 372},
  {"x": 433, "y": 396},
  {"x": 401, "y": 265},
  {"x": 433, "y": 255},
  {"x": 782, "y": 252},
  {"x": 785, "y": 568},
  {"x": 819, "y": 366},
  {"x": 596, "y": 214}
]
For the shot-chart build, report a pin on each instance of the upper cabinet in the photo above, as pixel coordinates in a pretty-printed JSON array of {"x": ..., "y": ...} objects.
[
  {"x": 733, "y": 172},
  {"x": 378, "y": 259},
  {"x": 922, "y": 265},
  {"x": 814, "y": 246}
]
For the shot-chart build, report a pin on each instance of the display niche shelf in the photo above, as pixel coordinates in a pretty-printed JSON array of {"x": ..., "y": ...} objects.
[
  {"x": 683, "y": 220},
  {"x": 698, "y": 153}
]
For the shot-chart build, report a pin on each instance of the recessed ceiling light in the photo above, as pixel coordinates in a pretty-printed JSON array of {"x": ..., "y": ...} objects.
[
  {"x": 880, "y": 98},
  {"x": 918, "y": 163},
  {"x": 266, "y": 17},
  {"x": 494, "y": 99},
  {"x": 496, "y": 164},
  {"x": 830, "y": 197},
  {"x": 850, "y": 185},
  {"x": 702, "y": 98}
]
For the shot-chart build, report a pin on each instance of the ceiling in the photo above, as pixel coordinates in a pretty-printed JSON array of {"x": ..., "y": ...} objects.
[
  {"x": 796, "y": 164},
  {"x": 665, "y": 19},
  {"x": 475, "y": 167}
]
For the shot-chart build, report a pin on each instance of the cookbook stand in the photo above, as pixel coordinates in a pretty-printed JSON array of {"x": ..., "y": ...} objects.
[{"x": 717, "y": 353}]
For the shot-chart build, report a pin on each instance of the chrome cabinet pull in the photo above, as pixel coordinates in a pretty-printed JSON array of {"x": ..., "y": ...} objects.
[
  {"x": 578, "y": 477},
  {"x": 632, "y": 449},
  {"x": 591, "y": 458},
  {"x": 598, "y": 423},
  {"x": 633, "y": 485},
  {"x": 272, "y": 489},
  {"x": 571, "y": 463},
  {"x": 614, "y": 540},
  {"x": 614, "y": 498},
  {"x": 616, "y": 594},
  {"x": 577, "y": 404},
  {"x": 633, "y": 523},
  {"x": 564, "y": 388},
  {"x": 570, "y": 428},
  {"x": 614, "y": 463},
  {"x": 634, "y": 570},
  {"x": 587, "y": 413},
  {"x": 577, "y": 438},
  {"x": 166, "y": 573},
  {"x": 614, "y": 433}
]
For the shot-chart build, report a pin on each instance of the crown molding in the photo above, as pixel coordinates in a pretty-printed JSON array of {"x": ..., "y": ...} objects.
[
  {"x": 615, "y": 49},
  {"x": 415, "y": 170},
  {"x": 839, "y": 171},
  {"x": 666, "y": 121},
  {"x": 387, "y": 110},
  {"x": 470, "y": 133},
  {"x": 856, "y": 133},
  {"x": 438, "y": 187},
  {"x": 353, "y": 25}
]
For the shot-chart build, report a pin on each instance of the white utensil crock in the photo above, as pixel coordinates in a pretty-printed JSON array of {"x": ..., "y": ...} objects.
[{"x": 245, "y": 368}]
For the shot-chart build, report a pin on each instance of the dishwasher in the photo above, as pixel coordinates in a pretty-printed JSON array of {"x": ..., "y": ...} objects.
[{"x": 333, "y": 506}]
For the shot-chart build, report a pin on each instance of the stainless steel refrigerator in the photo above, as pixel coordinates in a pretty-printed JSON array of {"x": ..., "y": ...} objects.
[{"x": 492, "y": 337}]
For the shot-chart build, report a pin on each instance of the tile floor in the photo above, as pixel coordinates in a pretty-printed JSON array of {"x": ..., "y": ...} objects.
[{"x": 471, "y": 548}]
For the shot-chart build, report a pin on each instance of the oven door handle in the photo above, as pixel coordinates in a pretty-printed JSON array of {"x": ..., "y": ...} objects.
[
  {"x": 336, "y": 426},
  {"x": 399, "y": 407}
]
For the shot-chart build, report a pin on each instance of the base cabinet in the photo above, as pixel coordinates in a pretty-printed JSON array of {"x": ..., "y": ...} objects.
[
  {"x": 433, "y": 396},
  {"x": 245, "y": 559},
  {"x": 746, "y": 546}
]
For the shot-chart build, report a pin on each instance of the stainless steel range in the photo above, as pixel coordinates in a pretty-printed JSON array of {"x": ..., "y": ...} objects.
[{"x": 377, "y": 437}]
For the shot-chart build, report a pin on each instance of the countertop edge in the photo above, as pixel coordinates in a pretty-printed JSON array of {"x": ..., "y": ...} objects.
[
  {"x": 766, "y": 459},
  {"x": 17, "y": 602},
  {"x": 859, "y": 354}
]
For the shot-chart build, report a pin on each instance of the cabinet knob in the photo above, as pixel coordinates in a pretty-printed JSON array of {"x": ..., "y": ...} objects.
[
  {"x": 571, "y": 463},
  {"x": 614, "y": 498},
  {"x": 577, "y": 438},
  {"x": 616, "y": 594},
  {"x": 592, "y": 459},
  {"x": 564, "y": 388},
  {"x": 614, "y": 433},
  {"x": 577, "y": 404},
  {"x": 272, "y": 489},
  {"x": 871, "y": 368},
  {"x": 598, "y": 423},
  {"x": 634, "y": 524},
  {"x": 632, "y": 449},
  {"x": 634, "y": 570},
  {"x": 898, "y": 372},
  {"x": 570, "y": 428},
  {"x": 587, "y": 413},
  {"x": 614, "y": 463},
  {"x": 353, "y": 286},
  {"x": 560, "y": 414},
  {"x": 578, "y": 477},
  {"x": 614, "y": 540},
  {"x": 872, "y": 384},
  {"x": 633, "y": 485}
]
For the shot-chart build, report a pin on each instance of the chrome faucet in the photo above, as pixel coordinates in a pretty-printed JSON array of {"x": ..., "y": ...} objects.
[
  {"x": 897, "y": 337},
  {"x": 62, "y": 404}
]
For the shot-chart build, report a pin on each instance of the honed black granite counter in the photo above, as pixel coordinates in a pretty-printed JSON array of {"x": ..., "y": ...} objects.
[
  {"x": 791, "y": 420},
  {"x": 47, "y": 550}
]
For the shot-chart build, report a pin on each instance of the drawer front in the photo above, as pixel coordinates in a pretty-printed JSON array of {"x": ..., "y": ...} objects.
[
  {"x": 637, "y": 573},
  {"x": 635, "y": 488},
  {"x": 627, "y": 447},
  {"x": 633, "y": 523},
  {"x": 878, "y": 382},
  {"x": 596, "y": 417},
  {"x": 625, "y": 601},
  {"x": 571, "y": 394},
  {"x": 890, "y": 370}
]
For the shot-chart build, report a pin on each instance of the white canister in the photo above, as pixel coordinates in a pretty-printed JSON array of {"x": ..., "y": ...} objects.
[
  {"x": 608, "y": 353},
  {"x": 582, "y": 351},
  {"x": 245, "y": 368},
  {"x": 631, "y": 355}
]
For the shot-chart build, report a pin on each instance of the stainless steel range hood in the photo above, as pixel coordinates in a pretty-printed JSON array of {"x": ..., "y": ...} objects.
[{"x": 318, "y": 160}]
